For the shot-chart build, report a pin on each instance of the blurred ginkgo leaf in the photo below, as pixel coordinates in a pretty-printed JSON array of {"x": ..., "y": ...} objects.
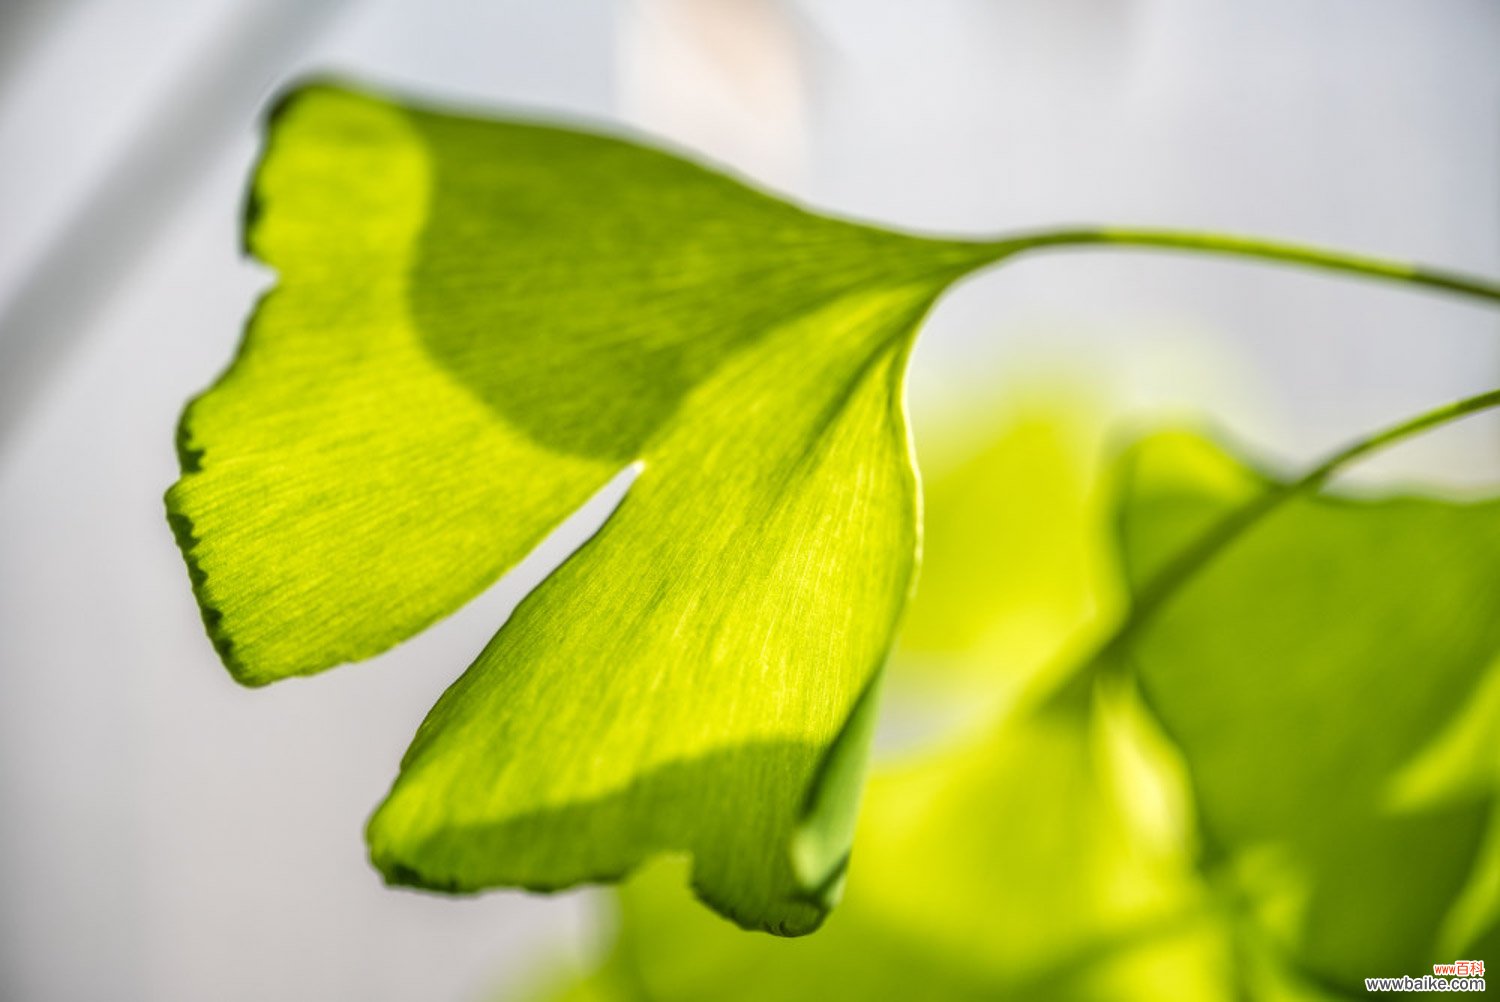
[
  {"x": 1328, "y": 678},
  {"x": 1014, "y": 551}
]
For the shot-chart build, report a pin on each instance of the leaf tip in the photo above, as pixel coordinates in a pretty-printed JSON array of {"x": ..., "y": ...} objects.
[{"x": 821, "y": 840}]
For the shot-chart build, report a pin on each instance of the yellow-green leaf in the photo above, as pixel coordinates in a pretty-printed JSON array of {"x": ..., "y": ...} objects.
[{"x": 476, "y": 324}]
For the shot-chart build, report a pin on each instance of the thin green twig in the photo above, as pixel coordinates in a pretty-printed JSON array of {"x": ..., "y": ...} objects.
[{"x": 1252, "y": 247}]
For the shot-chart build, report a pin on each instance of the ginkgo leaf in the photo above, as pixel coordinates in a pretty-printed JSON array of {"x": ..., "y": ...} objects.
[
  {"x": 477, "y": 324},
  {"x": 1330, "y": 680}
]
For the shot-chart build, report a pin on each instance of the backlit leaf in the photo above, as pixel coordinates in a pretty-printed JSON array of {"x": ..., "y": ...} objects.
[{"x": 475, "y": 326}]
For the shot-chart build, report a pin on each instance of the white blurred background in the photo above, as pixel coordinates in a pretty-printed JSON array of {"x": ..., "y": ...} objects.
[{"x": 165, "y": 835}]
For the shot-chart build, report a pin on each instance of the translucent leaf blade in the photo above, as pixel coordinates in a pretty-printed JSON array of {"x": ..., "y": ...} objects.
[
  {"x": 477, "y": 324},
  {"x": 689, "y": 711}
]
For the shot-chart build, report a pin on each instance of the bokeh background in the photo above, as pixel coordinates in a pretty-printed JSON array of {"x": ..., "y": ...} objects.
[{"x": 166, "y": 835}]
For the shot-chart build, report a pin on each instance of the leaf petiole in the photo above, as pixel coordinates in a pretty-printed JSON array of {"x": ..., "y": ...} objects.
[{"x": 1253, "y": 247}]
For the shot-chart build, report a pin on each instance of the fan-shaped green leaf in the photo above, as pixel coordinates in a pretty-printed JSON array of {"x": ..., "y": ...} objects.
[{"x": 476, "y": 325}]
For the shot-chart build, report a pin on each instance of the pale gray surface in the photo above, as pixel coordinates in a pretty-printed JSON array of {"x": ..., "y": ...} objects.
[{"x": 165, "y": 835}]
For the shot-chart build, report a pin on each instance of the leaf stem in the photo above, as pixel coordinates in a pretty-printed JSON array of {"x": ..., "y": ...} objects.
[
  {"x": 1252, "y": 247},
  {"x": 1167, "y": 582}
]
